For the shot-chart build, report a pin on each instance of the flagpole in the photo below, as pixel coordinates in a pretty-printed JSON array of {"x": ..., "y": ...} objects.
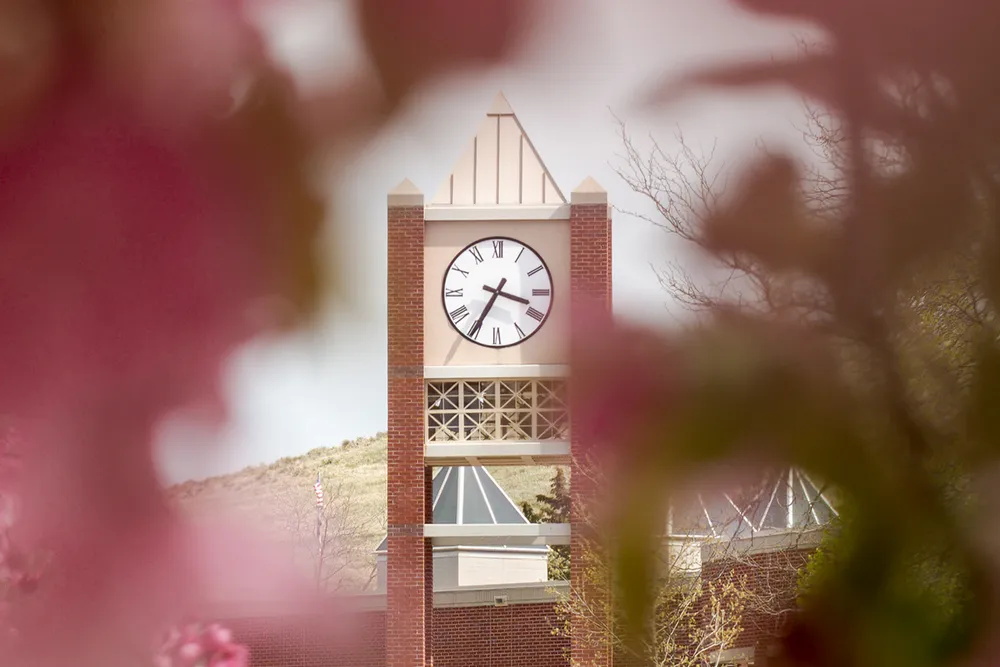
[{"x": 318, "y": 488}]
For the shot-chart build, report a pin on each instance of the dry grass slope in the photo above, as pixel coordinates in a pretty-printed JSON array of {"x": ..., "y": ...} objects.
[{"x": 354, "y": 470}]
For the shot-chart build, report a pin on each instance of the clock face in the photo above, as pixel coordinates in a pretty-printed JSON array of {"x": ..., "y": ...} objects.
[{"x": 497, "y": 292}]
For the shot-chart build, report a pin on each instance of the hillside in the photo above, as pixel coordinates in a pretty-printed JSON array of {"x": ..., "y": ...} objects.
[{"x": 354, "y": 478}]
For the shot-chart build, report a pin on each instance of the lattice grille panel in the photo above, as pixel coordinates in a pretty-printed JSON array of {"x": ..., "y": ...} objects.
[{"x": 481, "y": 410}]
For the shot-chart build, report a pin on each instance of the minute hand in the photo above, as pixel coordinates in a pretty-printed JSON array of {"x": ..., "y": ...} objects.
[
  {"x": 506, "y": 295},
  {"x": 478, "y": 324}
]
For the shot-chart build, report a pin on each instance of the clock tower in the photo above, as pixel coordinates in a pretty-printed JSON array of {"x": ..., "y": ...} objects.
[{"x": 482, "y": 282}]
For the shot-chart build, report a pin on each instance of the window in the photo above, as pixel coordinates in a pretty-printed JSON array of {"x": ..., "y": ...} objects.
[{"x": 487, "y": 410}]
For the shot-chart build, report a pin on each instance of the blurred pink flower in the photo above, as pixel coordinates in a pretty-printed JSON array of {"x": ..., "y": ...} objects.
[
  {"x": 193, "y": 572},
  {"x": 134, "y": 248},
  {"x": 127, "y": 263},
  {"x": 176, "y": 86},
  {"x": 217, "y": 636},
  {"x": 142, "y": 230},
  {"x": 233, "y": 655},
  {"x": 197, "y": 647},
  {"x": 411, "y": 42},
  {"x": 188, "y": 654},
  {"x": 623, "y": 378}
]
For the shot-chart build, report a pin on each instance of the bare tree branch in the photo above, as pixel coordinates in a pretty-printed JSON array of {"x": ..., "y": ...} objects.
[{"x": 341, "y": 557}]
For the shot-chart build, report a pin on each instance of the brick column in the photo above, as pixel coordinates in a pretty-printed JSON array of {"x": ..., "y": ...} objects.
[
  {"x": 590, "y": 278},
  {"x": 408, "y": 604},
  {"x": 428, "y": 568}
]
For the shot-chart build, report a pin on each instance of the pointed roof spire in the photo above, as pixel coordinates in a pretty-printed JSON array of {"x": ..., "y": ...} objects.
[
  {"x": 470, "y": 495},
  {"x": 500, "y": 167},
  {"x": 785, "y": 499}
]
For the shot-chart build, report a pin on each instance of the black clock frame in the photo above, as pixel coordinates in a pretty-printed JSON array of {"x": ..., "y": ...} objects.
[{"x": 541, "y": 323}]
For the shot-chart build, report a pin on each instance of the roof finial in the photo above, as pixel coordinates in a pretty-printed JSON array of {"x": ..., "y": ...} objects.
[
  {"x": 500, "y": 106},
  {"x": 406, "y": 194},
  {"x": 589, "y": 192}
]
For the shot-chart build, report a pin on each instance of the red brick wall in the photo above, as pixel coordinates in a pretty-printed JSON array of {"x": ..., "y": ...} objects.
[
  {"x": 486, "y": 636},
  {"x": 590, "y": 253},
  {"x": 408, "y": 584},
  {"x": 772, "y": 577},
  {"x": 428, "y": 562},
  {"x": 590, "y": 283},
  {"x": 310, "y": 642},
  {"x": 513, "y": 636}
]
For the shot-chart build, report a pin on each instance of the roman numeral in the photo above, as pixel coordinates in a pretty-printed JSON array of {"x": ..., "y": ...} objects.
[
  {"x": 464, "y": 273},
  {"x": 496, "y": 336},
  {"x": 535, "y": 314},
  {"x": 453, "y": 292},
  {"x": 537, "y": 292},
  {"x": 459, "y": 314},
  {"x": 498, "y": 249},
  {"x": 475, "y": 329},
  {"x": 475, "y": 253},
  {"x": 535, "y": 270},
  {"x": 519, "y": 255},
  {"x": 520, "y": 334}
]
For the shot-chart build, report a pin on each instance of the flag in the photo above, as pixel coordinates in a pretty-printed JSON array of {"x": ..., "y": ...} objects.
[{"x": 318, "y": 488}]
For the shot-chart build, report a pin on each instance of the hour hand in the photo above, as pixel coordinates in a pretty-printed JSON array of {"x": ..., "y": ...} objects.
[{"x": 506, "y": 295}]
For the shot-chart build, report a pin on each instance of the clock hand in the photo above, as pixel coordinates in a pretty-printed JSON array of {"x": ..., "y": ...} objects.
[
  {"x": 478, "y": 324},
  {"x": 506, "y": 295}
]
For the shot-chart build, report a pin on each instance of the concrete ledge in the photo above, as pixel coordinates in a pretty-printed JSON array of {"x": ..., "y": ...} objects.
[
  {"x": 273, "y": 609},
  {"x": 493, "y": 212},
  {"x": 477, "y": 596},
  {"x": 497, "y": 372},
  {"x": 503, "y": 452},
  {"x": 546, "y": 591},
  {"x": 761, "y": 543},
  {"x": 526, "y": 534},
  {"x": 731, "y": 656},
  {"x": 489, "y": 550}
]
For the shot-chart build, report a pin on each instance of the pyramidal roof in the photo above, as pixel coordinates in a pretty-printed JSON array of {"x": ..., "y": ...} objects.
[
  {"x": 470, "y": 495},
  {"x": 783, "y": 500},
  {"x": 499, "y": 167}
]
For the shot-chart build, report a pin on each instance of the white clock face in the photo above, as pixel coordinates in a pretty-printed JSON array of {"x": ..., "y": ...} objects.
[{"x": 497, "y": 292}]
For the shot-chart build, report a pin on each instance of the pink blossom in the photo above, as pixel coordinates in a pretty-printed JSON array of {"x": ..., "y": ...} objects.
[
  {"x": 410, "y": 42},
  {"x": 177, "y": 86},
  {"x": 141, "y": 232},
  {"x": 194, "y": 646},
  {"x": 217, "y": 636},
  {"x": 623, "y": 378},
  {"x": 233, "y": 655},
  {"x": 131, "y": 253},
  {"x": 188, "y": 654}
]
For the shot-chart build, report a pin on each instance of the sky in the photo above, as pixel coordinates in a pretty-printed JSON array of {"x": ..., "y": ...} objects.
[{"x": 585, "y": 62}]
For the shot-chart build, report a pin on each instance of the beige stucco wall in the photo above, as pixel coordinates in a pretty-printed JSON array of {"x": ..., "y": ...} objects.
[
  {"x": 499, "y": 167},
  {"x": 443, "y": 346},
  {"x": 467, "y": 567},
  {"x": 475, "y": 569}
]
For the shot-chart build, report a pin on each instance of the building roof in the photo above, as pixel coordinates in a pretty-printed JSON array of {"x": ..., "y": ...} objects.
[
  {"x": 784, "y": 500},
  {"x": 470, "y": 495},
  {"x": 499, "y": 167}
]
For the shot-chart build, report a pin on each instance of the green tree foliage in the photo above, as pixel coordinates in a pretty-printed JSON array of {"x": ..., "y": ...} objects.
[
  {"x": 696, "y": 612},
  {"x": 553, "y": 507},
  {"x": 871, "y": 358},
  {"x": 937, "y": 317}
]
